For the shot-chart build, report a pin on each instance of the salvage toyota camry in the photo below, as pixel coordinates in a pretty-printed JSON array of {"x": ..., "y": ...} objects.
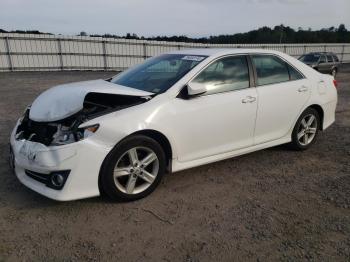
[{"x": 175, "y": 111}]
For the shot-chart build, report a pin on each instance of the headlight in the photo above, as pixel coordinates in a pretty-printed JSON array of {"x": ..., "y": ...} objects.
[
  {"x": 65, "y": 135},
  {"x": 87, "y": 131}
]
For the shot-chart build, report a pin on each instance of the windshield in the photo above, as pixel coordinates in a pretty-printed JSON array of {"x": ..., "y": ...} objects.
[
  {"x": 158, "y": 74},
  {"x": 311, "y": 58}
]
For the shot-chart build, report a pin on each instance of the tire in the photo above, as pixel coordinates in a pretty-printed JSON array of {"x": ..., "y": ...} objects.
[
  {"x": 119, "y": 174},
  {"x": 310, "y": 131},
  {"x": 334, "y": 72}
]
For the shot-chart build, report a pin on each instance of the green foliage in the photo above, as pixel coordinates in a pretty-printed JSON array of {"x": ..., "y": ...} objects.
[
  {"x": 278, "y": 34},
  {"x": 35, "y": 32}
]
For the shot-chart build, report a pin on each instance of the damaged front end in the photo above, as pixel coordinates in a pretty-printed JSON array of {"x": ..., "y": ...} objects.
[{"x": 68, "y": 130}]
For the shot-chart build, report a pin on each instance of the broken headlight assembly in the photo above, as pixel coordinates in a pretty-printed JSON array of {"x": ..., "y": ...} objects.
[
  {"x": 65, "y": 135},
  {"x": 57, "y": 133}
]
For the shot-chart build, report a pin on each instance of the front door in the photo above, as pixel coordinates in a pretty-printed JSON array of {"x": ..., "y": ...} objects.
[{"x": 223, "y": 118}]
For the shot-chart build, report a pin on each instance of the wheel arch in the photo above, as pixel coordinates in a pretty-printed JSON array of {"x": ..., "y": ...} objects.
[
  {"x": 157, "y": 136},
  {"x": 160, "y": 138},
  {"x": 320, "y": 112}
]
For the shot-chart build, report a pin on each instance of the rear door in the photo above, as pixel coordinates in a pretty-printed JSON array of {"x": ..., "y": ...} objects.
[
  {"x": 323, "y": 66},
  {"x": 330, "y": 63},
  {"x": 282, "y": 92}
]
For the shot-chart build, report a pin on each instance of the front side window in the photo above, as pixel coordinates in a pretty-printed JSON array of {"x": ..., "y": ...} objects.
[
  {"x": 270, "y": 69},
  {"x": 158, "y": 74},
  {"x": 226, "y": 74}
]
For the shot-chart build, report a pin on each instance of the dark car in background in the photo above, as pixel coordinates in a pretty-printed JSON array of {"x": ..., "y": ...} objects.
[{"x": 324, "y": 62}]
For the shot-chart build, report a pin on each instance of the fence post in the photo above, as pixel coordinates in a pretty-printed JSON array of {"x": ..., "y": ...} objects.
[
  {"x": 342, "y": 53},
  {"x": 60, "y": 52},
  {"x": 325, "y": 48},
  {"x": 285, "y": 49},
  {"x": 8, "y": 51},
  {"x": 144, "y": 50},
  {"x": 104, "y": 55},
  {"x": 178, "y": 47}
]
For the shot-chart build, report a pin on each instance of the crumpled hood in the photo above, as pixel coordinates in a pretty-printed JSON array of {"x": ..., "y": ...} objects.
[{"x": 65, "y": 100}]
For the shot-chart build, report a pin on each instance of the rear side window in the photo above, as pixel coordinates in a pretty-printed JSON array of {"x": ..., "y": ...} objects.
[
  {"x": 270, "y": 69},
  {"x": 294, "y": 74},
  {"x": 226, "y": 74},
  {"x": 329, "y": 58}
]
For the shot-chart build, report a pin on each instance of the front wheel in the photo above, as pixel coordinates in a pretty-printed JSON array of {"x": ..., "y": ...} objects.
[
  {"x": 305, "y": 130},
  {"x": 133, "y": 169}
]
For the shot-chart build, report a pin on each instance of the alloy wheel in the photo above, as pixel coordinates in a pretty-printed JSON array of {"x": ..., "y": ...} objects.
[
  {"x": 136, "y": 170},
  {"x": 307, "y": 129}
]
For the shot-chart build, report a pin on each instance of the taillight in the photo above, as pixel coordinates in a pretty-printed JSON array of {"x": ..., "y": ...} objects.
[{"x": 335, "y": 83}]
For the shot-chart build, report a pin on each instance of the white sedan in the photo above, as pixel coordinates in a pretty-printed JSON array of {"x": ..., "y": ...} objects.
[{"x": 174, "y": 111}]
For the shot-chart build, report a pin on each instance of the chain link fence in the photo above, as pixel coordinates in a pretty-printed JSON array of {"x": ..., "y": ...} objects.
[{"x": 19, "y": 52}]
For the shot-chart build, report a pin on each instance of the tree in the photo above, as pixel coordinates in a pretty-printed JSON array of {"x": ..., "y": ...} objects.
[
  {"x": 264, "y": 35},
  {"x": 342, "y": 28}
]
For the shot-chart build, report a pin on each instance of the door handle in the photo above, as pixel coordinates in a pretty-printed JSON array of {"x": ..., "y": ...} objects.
[
  {"x": 303, "y": 89},
  {"x": 248, "y": 99}
]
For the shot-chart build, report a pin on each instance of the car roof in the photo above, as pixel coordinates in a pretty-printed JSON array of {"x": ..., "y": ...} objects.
[
  {"x": 323, "y": 53},
  {"x": 220, "y": 51}
]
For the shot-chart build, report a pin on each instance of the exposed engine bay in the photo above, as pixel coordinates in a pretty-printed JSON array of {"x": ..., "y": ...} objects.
[{"x": 67, "y": 130}]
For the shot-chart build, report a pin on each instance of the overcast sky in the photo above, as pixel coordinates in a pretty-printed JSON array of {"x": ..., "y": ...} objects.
[{"x": 169, "y": 17}]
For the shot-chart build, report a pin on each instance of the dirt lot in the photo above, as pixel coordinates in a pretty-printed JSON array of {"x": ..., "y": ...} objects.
[{"x": 270, "y": 205}]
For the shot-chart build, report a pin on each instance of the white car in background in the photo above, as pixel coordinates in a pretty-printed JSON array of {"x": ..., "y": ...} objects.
[{"x": 172, "y": 112}]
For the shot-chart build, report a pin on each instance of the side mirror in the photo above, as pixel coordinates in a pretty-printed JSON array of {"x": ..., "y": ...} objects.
[{"x": 196, "y": 89}]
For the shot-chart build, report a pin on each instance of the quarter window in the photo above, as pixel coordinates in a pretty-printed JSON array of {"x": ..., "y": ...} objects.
[
  {"x": 226, "y": 74},
  {"x": 329, "y": 58},
  {"x": 294, "y": 74},
  {"x": 270, "y": 69}
]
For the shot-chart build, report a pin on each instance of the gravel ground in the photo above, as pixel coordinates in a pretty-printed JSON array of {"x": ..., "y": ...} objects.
[{"x": 271, "y": 205}]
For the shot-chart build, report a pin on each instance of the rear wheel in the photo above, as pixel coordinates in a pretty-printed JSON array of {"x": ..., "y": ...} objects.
[
  {"x": 133, "y": 169},
  {"x": 305, "y": 130}
]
